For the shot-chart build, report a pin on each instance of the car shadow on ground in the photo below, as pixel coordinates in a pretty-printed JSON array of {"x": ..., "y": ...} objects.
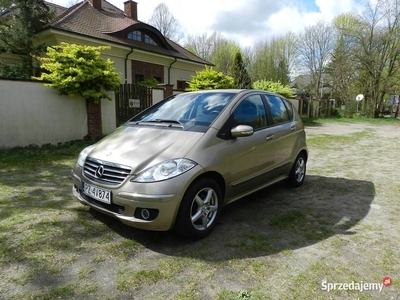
[{"x": 272, "y": 220}]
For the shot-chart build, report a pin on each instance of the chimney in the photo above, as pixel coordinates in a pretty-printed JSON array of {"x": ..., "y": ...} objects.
[
  {"x": 96, "y": 3},
  {"x": 130, "y": 9}
]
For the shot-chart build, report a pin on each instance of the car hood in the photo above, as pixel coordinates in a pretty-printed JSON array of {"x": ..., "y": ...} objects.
[{"x": 140, "y": 147}]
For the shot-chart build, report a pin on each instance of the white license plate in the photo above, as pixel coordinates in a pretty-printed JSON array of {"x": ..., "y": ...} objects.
[{"x": 96, "y": 192}]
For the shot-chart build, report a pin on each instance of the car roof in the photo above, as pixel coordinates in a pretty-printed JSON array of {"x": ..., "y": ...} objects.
[{"x": 236, "y": 91}]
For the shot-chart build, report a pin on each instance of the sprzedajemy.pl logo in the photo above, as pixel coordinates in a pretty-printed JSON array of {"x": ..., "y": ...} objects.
[{"x": 356, "y": 286}]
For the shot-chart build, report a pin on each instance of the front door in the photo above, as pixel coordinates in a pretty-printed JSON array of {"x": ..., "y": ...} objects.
[{"x": 252, "y": 157}]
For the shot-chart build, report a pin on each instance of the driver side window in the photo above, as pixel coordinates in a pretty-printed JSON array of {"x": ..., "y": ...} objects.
[{"x": 250, "y": 112}]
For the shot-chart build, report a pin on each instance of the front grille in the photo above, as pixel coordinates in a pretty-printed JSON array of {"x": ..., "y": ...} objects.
[{"x": 105, "y": 172}]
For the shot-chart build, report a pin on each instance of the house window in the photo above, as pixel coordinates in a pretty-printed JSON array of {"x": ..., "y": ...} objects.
[
  {"x": 135, "y": 35},
  {"x": 141, "y": 37},
  {"x": 139, "y": 78},
  {"x": 149, "y": 40},
  {"x": 181, "y": 85}
]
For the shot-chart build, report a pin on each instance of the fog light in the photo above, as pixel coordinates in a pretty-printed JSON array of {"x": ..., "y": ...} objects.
[
  {"x": 145, "y": 214},
  {"x": 148, "y": 214}
]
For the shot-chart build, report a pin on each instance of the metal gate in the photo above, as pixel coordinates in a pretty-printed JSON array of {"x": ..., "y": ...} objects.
[{"x": 130, "y": 100}]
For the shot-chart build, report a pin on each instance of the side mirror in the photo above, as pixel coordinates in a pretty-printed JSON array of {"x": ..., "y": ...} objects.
[{"x": 242, "y": 131}]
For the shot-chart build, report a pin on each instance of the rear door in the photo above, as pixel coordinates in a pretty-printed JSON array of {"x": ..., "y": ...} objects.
[{"x": 285, "y": 133}]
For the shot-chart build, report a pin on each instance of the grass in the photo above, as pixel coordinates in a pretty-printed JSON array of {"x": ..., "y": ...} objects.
[
  {"x": 340, "y": 120},
  {"x": 325, "y": 140},
  {"x": 276, "y": 244}
]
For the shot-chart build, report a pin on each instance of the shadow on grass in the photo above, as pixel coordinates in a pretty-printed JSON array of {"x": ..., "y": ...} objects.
[{"x": 268, "y": 222}]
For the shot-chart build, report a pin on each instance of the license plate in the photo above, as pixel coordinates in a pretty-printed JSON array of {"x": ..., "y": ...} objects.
[{"x": 96, "y": 192}]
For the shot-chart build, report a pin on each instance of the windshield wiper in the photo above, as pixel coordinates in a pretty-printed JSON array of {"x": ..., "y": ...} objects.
[
  {"x": 168, "y": 121},
  {"x": 164, "y": 121}
]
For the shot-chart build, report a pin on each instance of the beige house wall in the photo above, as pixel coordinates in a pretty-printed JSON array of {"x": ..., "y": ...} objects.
[
  {"x": 31, "y": 113},
  {"x": 121, "y": 55}
]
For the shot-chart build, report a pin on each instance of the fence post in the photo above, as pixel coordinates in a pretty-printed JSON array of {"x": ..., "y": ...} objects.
[{"x": 168, "y": 90}]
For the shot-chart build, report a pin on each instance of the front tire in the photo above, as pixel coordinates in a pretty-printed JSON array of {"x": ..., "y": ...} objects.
[
  {"x": 298, "y": 171},
  {"x": 200, "y": 209}
]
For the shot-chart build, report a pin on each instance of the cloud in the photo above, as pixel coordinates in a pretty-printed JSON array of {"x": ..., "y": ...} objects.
[
  {"x": 249, "y": 17},
  {"x": 330, "y": 9},
  {"x": 258, "y": 20},
  {"x": 245, "y": 21}
]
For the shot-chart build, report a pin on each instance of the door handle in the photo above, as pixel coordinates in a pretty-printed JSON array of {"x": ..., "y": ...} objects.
[
  {"x": 293, "y": 128},
  {"x": 270, "y": 137}
]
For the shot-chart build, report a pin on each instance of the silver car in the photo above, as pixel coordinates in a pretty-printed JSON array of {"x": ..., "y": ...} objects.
[{"x": 176, "y": 164}]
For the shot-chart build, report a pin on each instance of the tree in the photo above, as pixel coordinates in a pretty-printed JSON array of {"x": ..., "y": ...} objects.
[
  {"x": 22, "y": 19},
  {"x": 315, "y": 47},
  {"x": 215, "y": 49},
  {"x": 203, "y": 45},
  {"x": 76, "y": 69},
  {"x": 274, "y": 60},
  {"x": 224, "y": 54},
  {"x": 342, "y": 69},
  {"x": 165, "y": 22},
  {"x": 376, "y": 50},
  {"x": 275, "y": 87},
  {"x": 209, "y": 79},
  {"x": 239, "y": 73}
]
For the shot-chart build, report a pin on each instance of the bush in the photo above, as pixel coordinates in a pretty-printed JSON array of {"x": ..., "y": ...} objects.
[
  {"x": 151, "y": 82},
  {"x": 210, "y": 79},
  {"x": 78, "y": 69},
  {"x": 350, "y": 111},
  {"x": 275, "y": 87}
]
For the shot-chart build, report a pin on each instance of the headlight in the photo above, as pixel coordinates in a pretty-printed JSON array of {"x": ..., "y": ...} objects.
[
  {"x": 83, "y": 154},
  {"x": 165, "y": 170}
]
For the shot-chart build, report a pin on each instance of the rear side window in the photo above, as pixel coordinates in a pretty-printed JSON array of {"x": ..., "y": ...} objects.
[
  {"x": 279, "y": 113},
  {"x": 289, "y": 107}
]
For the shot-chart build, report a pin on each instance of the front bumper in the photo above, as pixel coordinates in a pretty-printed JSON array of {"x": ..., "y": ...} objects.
[{"x": 161, "y": 200}]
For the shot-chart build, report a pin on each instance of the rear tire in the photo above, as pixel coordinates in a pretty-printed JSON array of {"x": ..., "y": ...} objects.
[
  {"x": 298, "y": 172},
  {"x": 199, "y": 209}
]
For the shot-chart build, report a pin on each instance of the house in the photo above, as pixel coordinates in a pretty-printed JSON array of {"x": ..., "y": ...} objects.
[
  {"x": 312, "y": 106},
  {"x": 139, "y": 51}
]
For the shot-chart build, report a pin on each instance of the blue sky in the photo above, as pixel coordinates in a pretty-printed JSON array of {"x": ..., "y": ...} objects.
[
  {"x": 245, "y": 21},
  {"x": 310, "y": 5}
]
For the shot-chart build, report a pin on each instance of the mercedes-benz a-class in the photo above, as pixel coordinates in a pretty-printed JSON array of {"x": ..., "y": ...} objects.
[{"x": 176, "y": 164}]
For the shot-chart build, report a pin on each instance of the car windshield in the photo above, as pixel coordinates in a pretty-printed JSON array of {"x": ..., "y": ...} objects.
[{"x": 187, "y": 109}]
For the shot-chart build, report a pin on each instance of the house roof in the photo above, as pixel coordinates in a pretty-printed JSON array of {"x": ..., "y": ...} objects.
[
  {"x": 300, "y": 82},
  {"x": 109, "y": 23},
  {"x": 58, "y": 9}
]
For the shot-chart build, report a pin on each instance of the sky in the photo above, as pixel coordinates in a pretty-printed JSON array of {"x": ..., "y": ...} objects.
[{"x": 244, "y": 21}]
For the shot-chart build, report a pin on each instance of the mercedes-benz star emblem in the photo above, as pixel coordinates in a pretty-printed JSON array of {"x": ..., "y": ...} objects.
[{"x": 99, "y": 172}]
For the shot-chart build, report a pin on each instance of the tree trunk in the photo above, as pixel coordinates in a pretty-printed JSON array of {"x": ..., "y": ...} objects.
[{"x": 94, "y": 120}]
